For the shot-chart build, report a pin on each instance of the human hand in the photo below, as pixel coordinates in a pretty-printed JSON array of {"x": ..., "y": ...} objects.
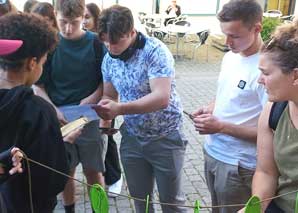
[
  {"x": 105, "y": 127},
  {"x": 17, "y": 157},
  {"x": 200, "y": 111},
  {"x": 190, "y": 116},
  {"x": 61, "y": 118},
  {"x": 108, "y": 131},
  {"x": 91, "y": 99},
  {"x": 72, "y": 136},
  {"x": 241, "y": 210},
  {"x": 107, "y": 109},
  {"x": 207, "y": 124}
]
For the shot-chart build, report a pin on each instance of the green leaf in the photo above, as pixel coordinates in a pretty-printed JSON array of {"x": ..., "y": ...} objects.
[
  {"x": 253, "y": 205},
  {"x": 147, "y": 204},
  {"x": 296, "y": 204},
  {"x": 269, "y": 24},
  {"x": 197, "y": 207},
  {"x": 99, "y": 200}
]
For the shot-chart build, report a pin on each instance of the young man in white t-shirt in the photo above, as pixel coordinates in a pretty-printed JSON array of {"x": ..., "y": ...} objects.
[{"x": 230, "y": 123}]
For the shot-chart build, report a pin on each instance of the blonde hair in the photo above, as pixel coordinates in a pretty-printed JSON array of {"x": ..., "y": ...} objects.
[{"x": 283, "y": 46}]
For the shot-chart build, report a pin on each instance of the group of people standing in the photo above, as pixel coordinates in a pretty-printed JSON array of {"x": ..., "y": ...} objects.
[
  {"x": 71, "y": 75},
  {"x": 120, "y": 71}
]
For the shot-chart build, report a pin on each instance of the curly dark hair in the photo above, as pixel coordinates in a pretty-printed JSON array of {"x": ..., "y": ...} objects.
[
  {"x": 95, "y": 11},
  {"x": 37, "y": 35},
  {"x": 283, "y": 47},
  {"x": 116, "y": 21}
]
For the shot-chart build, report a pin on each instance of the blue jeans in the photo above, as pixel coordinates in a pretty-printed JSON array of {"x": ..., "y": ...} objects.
[{"x": 160, "y": 160}]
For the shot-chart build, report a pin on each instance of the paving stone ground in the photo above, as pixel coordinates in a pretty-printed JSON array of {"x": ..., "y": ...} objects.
[{"x": 196, "y": 84}]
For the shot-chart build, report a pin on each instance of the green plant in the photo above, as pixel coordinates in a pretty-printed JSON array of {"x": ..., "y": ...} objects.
[{"x": 269, "y": 25}]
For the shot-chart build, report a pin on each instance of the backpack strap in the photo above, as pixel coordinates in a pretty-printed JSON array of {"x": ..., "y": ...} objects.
[
  {"x": 99, "y": 49},
  {"x": 275, "y": 113}
]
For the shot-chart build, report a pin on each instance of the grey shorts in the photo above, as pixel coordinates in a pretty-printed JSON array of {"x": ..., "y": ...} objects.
[{"x": 90, "y": 148}]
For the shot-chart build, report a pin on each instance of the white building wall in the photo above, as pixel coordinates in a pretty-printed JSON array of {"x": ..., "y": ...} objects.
[
  {"x": 296, "y": 8},
  {"x": 200, "y": 7},
  {"x": 138, "y": 5}
]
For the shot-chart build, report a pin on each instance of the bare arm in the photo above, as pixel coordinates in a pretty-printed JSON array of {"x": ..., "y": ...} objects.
[
  {"x": 94, "y": 97},
  {"x": 266, "y": 176},
  {"x": 109, "y": 93},
  {"x": 206, "y": 123},
  {"x": 40, "y": 91},
  {"x": 264, "y": 182},
  {"x": 240, "y": 131},
  {"x": 158, "y": 99},
  {"x": 204, "y": 110},
  {"x": 209, "y": 124}
]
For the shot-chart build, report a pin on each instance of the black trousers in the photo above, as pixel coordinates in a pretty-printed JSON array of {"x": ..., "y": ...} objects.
[{"x": 112, "y": 164}]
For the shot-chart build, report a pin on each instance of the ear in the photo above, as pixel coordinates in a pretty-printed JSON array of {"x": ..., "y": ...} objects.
[
  {"x": 258, "y": 27},
  {"x": 133, "y": 32},
  {"x": 295, "y": 76},
  {"x": 30, "y": 64}
]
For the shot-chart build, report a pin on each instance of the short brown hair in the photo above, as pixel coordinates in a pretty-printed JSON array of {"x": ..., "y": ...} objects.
[
  {"x": 28, "y": 5},
  {"x": 247, "y": 11},
  {"x": 70, "y": 8},
  {"x": 115, "y": 21},
  {"x": 45, "y": 9},
  {"x": 283, "y": 47}
]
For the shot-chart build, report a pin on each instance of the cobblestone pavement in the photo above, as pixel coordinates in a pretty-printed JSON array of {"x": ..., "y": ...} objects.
[{"x": 196, "y": 84}]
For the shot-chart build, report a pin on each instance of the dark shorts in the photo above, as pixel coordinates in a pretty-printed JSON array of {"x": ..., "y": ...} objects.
[
  {"x": 273, "y": 208},
  {"x": 90, "y": 148}
]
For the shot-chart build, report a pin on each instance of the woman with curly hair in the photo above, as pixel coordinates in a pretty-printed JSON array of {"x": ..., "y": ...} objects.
[
  {"x": 27, "y": 121},
  {"x": 277, "y": 143}
]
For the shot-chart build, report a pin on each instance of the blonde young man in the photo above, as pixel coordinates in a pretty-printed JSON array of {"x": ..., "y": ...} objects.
[
  {"x": 72, "y": 76},
  {"x": 231, "y": 121}
]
